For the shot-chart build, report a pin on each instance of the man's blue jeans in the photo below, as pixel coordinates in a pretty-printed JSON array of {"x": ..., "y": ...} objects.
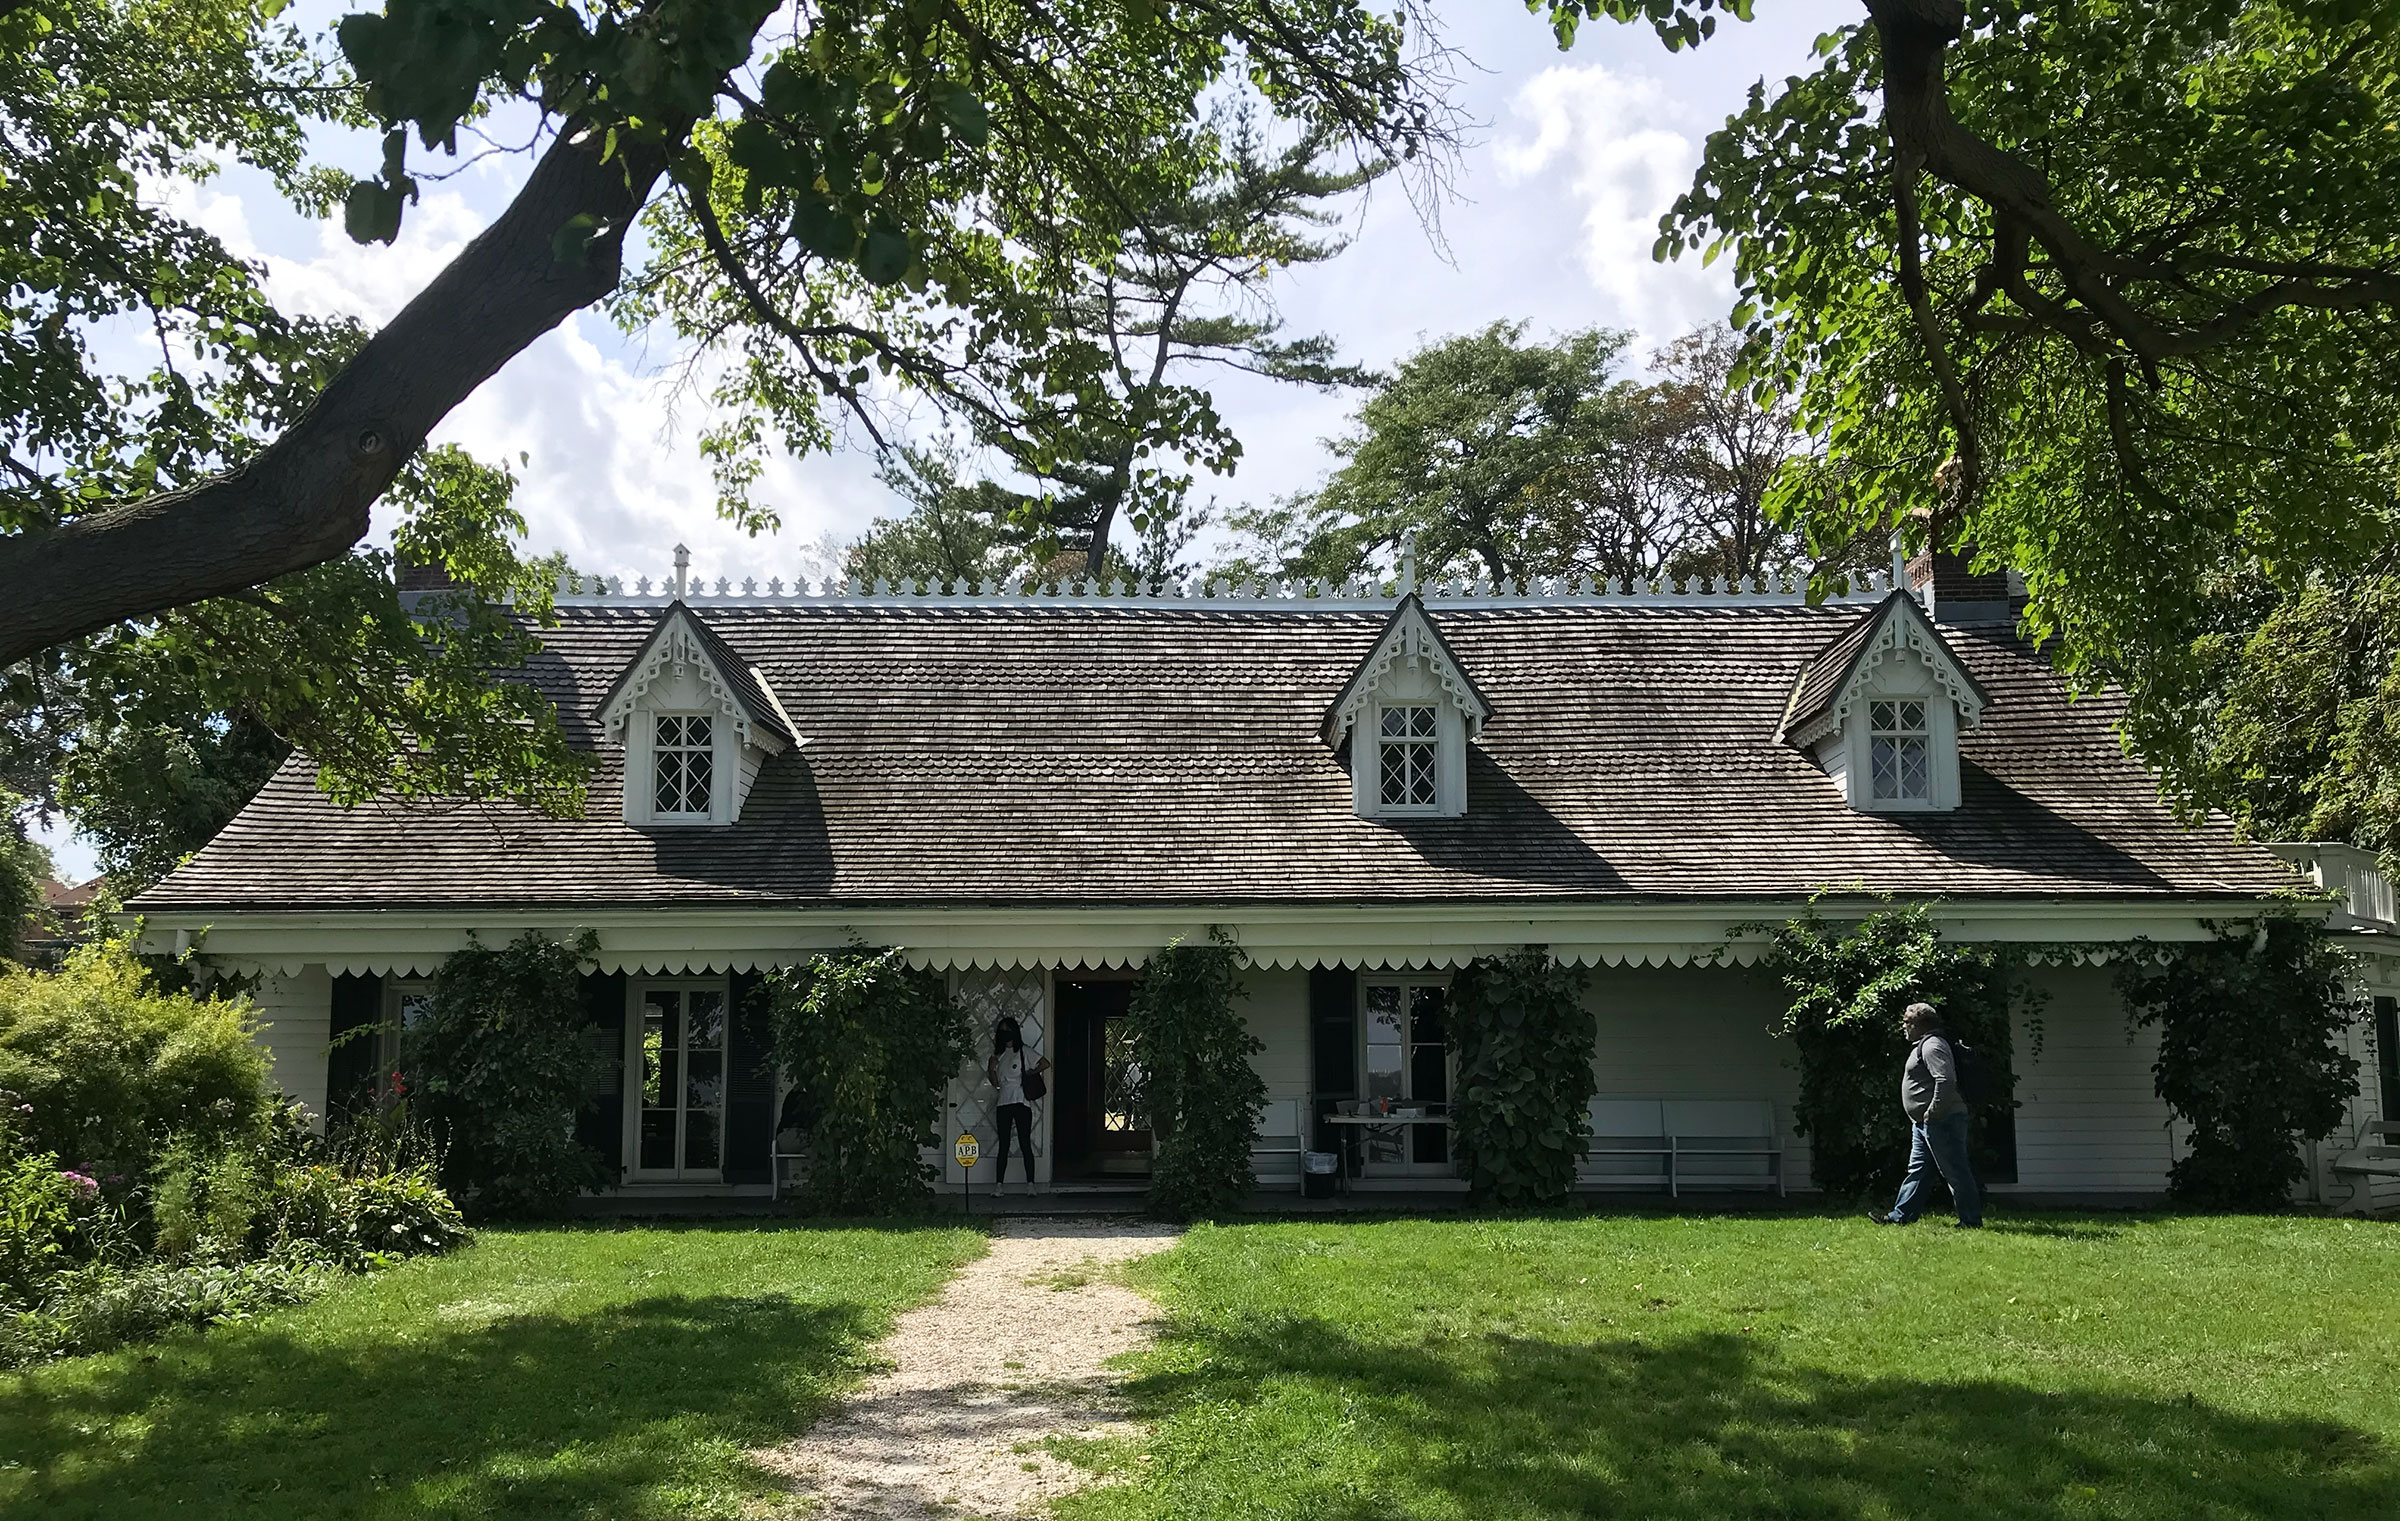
[{"x": 1939, "y": 1144}]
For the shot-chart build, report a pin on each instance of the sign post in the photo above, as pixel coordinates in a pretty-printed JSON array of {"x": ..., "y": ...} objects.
[{"x": 967, "y": 1150}]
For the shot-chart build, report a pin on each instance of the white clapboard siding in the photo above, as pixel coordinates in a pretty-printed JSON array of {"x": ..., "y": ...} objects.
[
  {"x": 1277, "y": 1013},
  {"x": 2089, "y": 1119},
  {"x": 295, "y": 1018},
  {"x": 1697, "y": 1032}
]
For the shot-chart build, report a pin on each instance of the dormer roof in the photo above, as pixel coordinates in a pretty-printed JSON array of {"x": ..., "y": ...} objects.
[
  {"x": 1830, "y": 680},
  {"x": 682, "y": 637},
  {"x": 1409, "y": 637}
]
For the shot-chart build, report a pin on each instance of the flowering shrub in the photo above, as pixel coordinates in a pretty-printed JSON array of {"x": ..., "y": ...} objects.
[{"x": 109, "y": 1069}]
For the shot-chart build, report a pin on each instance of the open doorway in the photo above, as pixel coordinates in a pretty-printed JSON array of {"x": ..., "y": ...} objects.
[{"x": 1097, "y": 1127}]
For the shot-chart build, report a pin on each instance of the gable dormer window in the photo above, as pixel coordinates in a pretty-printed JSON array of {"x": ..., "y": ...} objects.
[
  {"x": 1880, "y": 709},
  {"x": 1900, "y": 751},
  {"x": 1405, "y": 716},
  {"x": 698, "y": 723},
  {"x": 683, "y": 759},
  {"x": 1407, "y": 755}
]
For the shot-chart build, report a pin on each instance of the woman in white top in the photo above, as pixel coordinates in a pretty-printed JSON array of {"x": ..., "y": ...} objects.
[{"x": 1008, "y": 1071}]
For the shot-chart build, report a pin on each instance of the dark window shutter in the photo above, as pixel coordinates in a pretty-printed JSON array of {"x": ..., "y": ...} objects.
[
  {"x": 750, "y": 1091},
  {"x": 2387, "y": 1055},
  {"x": 1332, "y": 1040},
  {"x": 600, "y": 1123},
  {"x": 350, "y": 1064}
]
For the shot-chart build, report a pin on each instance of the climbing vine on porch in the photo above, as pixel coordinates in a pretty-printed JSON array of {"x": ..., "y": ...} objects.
[
  {"x": 1847, "y": 984},
  {"x": 1199, "y": 1086},
  {"x": 495, "y": 1069},
  {"x": 2246, "y": 1054},
  {"x": 1522, "y": 1038},
  {"x": 871, "y": 1043}
]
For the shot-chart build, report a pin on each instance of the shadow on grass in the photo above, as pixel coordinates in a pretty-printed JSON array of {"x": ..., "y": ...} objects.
[
  {"x": 1706, "y": 1426},
  {"x": 617, "y": 1412}
]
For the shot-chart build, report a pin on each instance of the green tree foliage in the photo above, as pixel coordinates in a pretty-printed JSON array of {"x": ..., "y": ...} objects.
[
  {"x": 2247, "y": 1055},
  {"x": 138, "y": 356},
  {"x": 950, "y": 530},
  {"x": 1188, "y": 288},
  {"x": 149, "y": 795},
  {"x": 1198, "y": 1086},
  {"x": 955, "y": 530},
  {"x": 872, "y": 1043},
  {"x": 1036, "y": 219},
  {"x": 495, "y": 1069},
  {"x": 152, "y": 735},
  {"x": 1848, "y": 983},
  {"x": 115, "y": 1069},
  {"x": 1506, "y": 460},
  {"x": 24, "y": 867},
  {"x": 1520, "y": 1100},
  {"x": 2131, "y": 274}
]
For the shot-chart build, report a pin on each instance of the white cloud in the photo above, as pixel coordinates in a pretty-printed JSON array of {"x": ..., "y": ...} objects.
[{"x": 1620, "y": 146}]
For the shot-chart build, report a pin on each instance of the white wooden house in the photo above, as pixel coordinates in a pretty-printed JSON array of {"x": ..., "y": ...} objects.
[{"x": 1366, "y": 785}]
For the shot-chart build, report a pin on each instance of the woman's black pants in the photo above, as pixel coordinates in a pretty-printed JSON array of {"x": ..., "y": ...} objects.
[{"x": 1020, "y": 1118}]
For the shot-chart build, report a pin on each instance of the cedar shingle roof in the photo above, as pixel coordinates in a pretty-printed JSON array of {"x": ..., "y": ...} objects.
[{"x": 1061, "y": 754}]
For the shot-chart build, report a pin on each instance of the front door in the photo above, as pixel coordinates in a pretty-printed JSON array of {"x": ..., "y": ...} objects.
[
  {"x": 1098, "y": 1127},
  {"x": 676, "y": 1109}
]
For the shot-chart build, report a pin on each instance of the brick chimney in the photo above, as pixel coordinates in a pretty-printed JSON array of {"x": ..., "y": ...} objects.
[
  {"x": 412, "y": 577},
  {"x": 1954, "y": 594}
]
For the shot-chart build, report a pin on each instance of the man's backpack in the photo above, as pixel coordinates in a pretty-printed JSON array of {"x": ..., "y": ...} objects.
[{"x": 1974, "y": 1073}]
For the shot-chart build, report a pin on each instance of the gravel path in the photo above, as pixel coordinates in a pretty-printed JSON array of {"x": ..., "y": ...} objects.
[{"x": 1013, "y": 1352}]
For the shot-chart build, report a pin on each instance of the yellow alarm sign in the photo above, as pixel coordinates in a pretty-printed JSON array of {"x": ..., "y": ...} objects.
[{"x": 968, "y": 1148}]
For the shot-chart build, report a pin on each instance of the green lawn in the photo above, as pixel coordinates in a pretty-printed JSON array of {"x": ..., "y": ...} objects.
[
  {"x": 567, "y": 1372},
  {"x": 1750, "y": 1366}
]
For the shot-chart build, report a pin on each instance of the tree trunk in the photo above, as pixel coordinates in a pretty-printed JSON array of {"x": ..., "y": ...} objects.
[{"x": 306, "y": 497}]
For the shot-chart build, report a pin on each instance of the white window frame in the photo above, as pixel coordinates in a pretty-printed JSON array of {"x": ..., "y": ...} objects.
[
  {"x": 637, "y": 990},
  {"x": 1400, "y": 749},
  {"x": 1406, "y": 983},
  {"x": 1848, "y": 754},
  {"x": 659, "y": 748},
  {"x": 1899, "y": 732},
  {"x": 1449, "y": 762},
  {"x": 641, "y": 768},
  {"x": 398, "y": 992}
]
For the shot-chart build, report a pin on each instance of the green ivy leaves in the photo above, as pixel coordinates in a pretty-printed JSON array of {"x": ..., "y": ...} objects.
[{"x": 1523, "y": 1039}]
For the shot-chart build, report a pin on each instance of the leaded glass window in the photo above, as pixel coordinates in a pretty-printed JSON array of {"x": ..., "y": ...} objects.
[
  {"x": 683, "y": 760},
  {"x": 1409, "y": 745},
  {"x": 1899, "y": 750}
]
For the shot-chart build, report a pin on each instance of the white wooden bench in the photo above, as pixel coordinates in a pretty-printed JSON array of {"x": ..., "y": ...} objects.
[
  {"x": 2369, "y": 1160},
  {"x": 1707, "y": 1143},
  {"x": 1276, "y": 1145}
]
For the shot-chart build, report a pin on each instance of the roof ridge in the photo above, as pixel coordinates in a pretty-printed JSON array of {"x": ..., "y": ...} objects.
[{"x": 1222, "y": 594}]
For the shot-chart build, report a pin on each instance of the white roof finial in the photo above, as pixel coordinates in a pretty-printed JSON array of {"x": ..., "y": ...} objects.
[
  {"x": 1408, "y": 563},
  {"x": 683, "y": 567}
]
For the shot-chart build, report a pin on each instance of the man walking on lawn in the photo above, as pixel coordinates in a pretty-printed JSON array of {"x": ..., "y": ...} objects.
[{"x": 1936, "y": 1106}]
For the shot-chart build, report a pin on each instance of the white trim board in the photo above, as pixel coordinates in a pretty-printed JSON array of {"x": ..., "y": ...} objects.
[{"x": 667, "y": 940}]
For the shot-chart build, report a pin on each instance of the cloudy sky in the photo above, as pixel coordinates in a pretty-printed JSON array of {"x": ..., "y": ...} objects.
[{"x": 1555, "y": 205}]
